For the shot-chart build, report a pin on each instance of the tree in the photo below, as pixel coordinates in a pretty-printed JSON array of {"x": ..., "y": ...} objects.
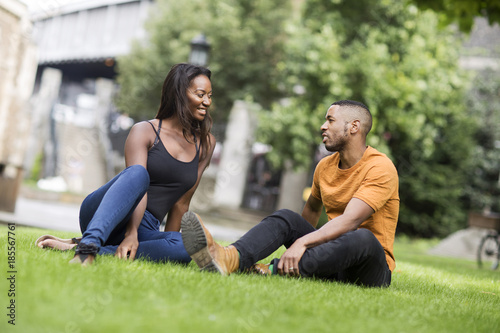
[
  {"x": 483, "y": 177},
  {"x": 311, "y": 76},
  {"x": 246, "y": 44},
  {"x": 393, "y": 57},
  {"x": 462, "y": 12}
]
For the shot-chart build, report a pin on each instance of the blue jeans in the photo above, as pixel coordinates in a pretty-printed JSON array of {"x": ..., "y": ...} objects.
[
  {"x": 104, "y": 215},
  {"x": 355, "y": 257}
]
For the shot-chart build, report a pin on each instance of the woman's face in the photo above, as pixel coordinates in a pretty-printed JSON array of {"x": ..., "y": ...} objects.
[{"x": 199, "y": 96}]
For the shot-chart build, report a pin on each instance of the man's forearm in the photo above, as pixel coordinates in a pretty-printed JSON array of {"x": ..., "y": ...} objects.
[
  {"x": 330, "y": 231},
  {"x": 355, "y": 213}
]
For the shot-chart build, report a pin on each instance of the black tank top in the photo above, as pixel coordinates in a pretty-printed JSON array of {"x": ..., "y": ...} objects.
[{"x": 169, "y": 177}]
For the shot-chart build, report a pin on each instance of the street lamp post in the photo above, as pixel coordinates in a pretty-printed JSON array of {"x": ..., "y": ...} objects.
[{"x": 199, "y": 51}]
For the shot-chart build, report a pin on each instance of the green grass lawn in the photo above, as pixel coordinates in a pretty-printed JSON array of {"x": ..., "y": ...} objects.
[{"x": 428, "y": 294}]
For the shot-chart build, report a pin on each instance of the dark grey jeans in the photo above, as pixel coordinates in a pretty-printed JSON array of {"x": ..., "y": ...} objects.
[{"x": 355, "y": 257}]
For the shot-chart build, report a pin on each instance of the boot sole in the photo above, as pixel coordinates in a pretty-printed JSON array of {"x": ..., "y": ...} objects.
[{"x": 195, "y": 242}]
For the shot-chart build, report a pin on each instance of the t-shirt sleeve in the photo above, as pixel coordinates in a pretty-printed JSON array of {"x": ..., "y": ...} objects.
[
  {"x": 315, "y": 189},
  {"x": 379, "y": 185}
]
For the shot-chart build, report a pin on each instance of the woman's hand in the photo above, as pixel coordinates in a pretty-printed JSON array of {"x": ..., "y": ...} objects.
[{"x": 128, "y": 247}]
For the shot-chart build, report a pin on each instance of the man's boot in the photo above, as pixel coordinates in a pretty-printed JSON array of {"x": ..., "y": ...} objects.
[
  {"x": 266, "y": 269},
  {"x": 207, "y": 254}
]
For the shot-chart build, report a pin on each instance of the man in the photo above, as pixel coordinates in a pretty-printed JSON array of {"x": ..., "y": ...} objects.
[{"x": 358, "y": 187}]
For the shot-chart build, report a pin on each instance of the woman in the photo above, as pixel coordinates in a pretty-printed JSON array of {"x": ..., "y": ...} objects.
[{"x": 165, "y": 159}]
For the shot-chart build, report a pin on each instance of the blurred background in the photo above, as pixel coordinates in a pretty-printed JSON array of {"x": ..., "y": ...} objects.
[{"x": 76, "y": 75}]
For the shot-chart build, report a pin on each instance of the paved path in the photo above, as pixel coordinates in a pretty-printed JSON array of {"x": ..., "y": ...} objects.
[{"x": 64, "y": 216}]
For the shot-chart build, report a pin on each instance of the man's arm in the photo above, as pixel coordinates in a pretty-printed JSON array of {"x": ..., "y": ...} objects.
[
  {"x": 355, "y": 213},
  {"x": 312, "y": 210}
]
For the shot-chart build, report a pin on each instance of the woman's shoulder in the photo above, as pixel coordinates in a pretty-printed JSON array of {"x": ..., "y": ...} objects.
[
  {"x": 145, "y": 127},
  {"x": 146, "y": 124},
  {"x": 210, "y": 147},
  {"x": 143, "y": 131},
  {"x": 212, "y": 141}
]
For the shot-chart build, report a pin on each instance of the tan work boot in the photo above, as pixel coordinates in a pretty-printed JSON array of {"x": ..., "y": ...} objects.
[
  {"x": 261, "y": 269},
  {"x": 265, "y": 269},
  {"x": 207, "y": 254}
]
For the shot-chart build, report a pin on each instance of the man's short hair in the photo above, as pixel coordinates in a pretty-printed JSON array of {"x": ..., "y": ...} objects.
[{"x": 359, "y": 111}]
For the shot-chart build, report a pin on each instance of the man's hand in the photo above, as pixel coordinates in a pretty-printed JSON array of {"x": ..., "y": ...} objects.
[
  {"x": 128, "y": 247},
  {"x": 289, "y": 261}
]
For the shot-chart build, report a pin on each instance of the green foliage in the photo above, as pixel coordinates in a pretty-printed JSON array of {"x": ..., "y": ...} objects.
[
  {"x": 428, "y": 294},
  {"x": 416, "y": 90},
  {"x": 36, "y": 170},
  {"x": 246, "y": 44},
  {"x": 312, "y": 74},
  {"x": 483, "y": 186},
  {"x": 392, "y": 57},
  {"x": 291, "y": 130},
  {"x": 388, "y": 54},
  {"x": 463, "y": 11}
]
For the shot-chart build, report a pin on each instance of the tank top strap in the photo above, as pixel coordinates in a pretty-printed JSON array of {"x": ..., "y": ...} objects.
[
  {"x": 196, "y": 143},
  {"x": 157, "y": 139}
]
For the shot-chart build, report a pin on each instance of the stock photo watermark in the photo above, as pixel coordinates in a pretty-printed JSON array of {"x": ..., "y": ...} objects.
[{"x": 11, "y": 274}]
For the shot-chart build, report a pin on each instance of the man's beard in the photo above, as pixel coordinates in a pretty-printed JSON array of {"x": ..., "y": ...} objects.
[{"x": 340, "y": 143}]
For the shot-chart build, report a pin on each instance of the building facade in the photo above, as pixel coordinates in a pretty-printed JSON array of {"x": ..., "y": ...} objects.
[
  {"x": 82, "y": 133},
  {"x": 17, "y": 72}
]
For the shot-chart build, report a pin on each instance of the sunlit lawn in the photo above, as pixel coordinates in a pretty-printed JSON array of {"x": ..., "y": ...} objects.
[{"x": 428, "y": 294}]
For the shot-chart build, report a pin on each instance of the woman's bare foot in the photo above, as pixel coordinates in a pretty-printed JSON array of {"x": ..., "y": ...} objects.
[
  {"x": 53, "y": 242},
  {"x": 56, "y": 245}
]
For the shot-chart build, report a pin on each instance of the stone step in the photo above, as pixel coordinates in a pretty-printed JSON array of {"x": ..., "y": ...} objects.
[{"x": 237, "y": 218}]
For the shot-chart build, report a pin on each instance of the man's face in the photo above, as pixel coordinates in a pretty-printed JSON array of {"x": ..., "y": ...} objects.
[{"x": 335, "y": 130}]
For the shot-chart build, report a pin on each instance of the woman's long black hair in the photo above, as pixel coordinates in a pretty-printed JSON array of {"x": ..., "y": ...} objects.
[{"x": 174, "y": 102}]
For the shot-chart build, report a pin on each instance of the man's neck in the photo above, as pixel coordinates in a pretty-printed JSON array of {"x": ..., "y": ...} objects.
[{"x": 349, "y": 157}]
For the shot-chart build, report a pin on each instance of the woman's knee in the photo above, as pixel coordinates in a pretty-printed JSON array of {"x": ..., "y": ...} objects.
[{"x": 138, "y": 172}]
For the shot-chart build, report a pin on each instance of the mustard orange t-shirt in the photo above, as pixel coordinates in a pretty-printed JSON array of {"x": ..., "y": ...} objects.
[{"x": 374, "y": 179}]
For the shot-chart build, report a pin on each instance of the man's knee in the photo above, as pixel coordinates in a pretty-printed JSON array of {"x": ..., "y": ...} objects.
[
  {"x": 288, "y": 215},
  {"x": 285, "y": 213},
  {"x": 365, "y": 236},
  {"x": 358, "y": 241}
]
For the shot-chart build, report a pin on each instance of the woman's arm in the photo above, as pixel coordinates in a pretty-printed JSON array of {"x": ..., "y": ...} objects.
[
  {"x": 182, "y": 205},
  {"x": 137, "y": 145}
]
